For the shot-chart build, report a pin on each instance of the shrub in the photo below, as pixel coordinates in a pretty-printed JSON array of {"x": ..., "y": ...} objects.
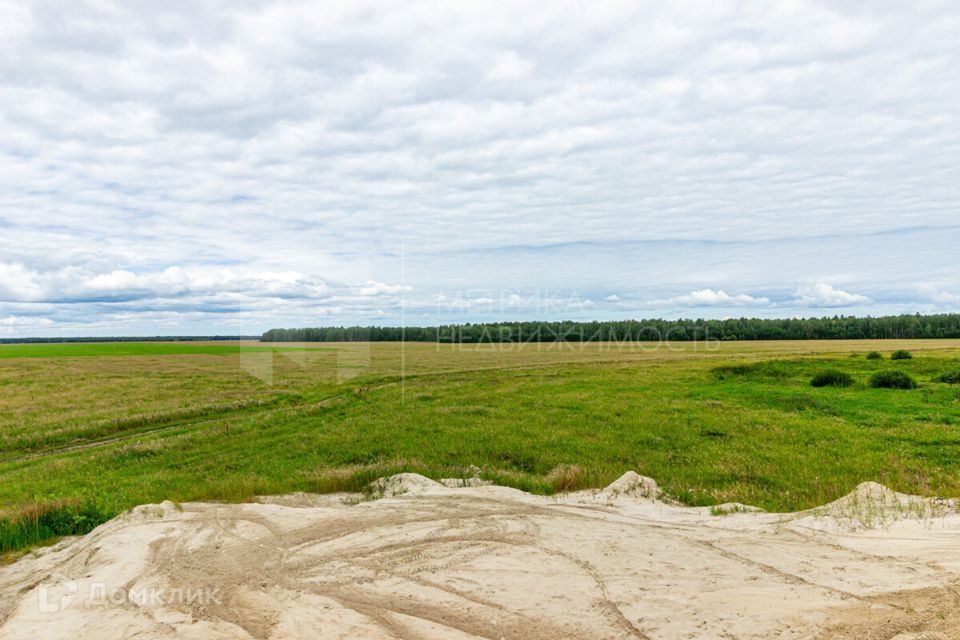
[
  {"x": 901, "y": 355},
  {"x": 874, "y": 355},
  {"x": 760, "y": 370},
  {"x": 892, "y": 380},
  {"x": 832, "y": 378},
  {"x": 733, "y": 370},
  {"x": 951, "y": 377}
]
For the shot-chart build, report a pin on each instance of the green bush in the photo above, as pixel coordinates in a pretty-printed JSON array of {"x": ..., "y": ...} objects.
[
  {"x": 831, "y": 378},
  {"x": 901, "y": 355},
  {"x": 951, "y": 377},
  {"x": 874, "y": 355},
  {"x": 892, "y": 380}
]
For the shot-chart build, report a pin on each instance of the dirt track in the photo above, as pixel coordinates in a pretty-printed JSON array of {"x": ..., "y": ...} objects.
[{"x": 490, "y": 562}]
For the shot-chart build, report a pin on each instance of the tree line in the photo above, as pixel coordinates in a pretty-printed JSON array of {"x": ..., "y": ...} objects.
[{"x": 826, "y": 328}]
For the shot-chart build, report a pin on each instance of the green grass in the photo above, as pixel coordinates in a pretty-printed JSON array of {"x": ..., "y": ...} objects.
[
  {"x": 71, "y": 350},
  {"x": 740, "y": 424}
]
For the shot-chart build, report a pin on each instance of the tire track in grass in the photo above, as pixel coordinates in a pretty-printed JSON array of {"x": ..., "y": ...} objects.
[{"x": 98, "y": 442}]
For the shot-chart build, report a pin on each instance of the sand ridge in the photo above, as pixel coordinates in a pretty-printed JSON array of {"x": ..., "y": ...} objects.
[{"x": 455, "y": 560}]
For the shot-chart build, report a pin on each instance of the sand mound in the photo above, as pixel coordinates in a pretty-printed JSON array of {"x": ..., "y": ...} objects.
[
  {"x": 435, "y": 561},
  {"x": 632, "y": 485},
  {"x": 401, "y": 484},
  {"x": 872, "y": 505}
]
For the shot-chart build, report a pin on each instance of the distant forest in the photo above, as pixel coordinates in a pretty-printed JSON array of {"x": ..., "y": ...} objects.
[{"x": 834, "y": 328}]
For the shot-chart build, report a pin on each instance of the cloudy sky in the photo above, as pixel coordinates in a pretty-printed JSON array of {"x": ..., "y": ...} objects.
[{"x": 227, "y": 167}]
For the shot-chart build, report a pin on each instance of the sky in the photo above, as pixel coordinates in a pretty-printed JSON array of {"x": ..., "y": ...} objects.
[{"x": 216, "y": 167}]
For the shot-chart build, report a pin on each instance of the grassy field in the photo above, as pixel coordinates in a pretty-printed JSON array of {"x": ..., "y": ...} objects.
[{"x": 89, "y": 430}]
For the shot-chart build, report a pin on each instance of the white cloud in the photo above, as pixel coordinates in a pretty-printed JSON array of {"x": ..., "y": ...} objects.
[
  {"x": 12, "y": 321},
  {"x": 822, "y": 294},
  {"x": 75, "y": 298},
  {"x": 24, "y": 325},
  {"x": 612, "y": 298},
  {"x": 944, "y": 297},
  {"x": 373, "y": 288},
  {"x": 509, "y": 66},
  {"x": 709, "y": 298}
]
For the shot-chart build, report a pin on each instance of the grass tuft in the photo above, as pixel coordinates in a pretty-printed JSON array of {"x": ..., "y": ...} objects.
[
  {"x": 951, "y": 377},
  {"x": 772, "y": 370},
  {"x": 41, "y": 522},
  {"x": 901, "y": 354},
  {"x": 892, "y": 380},
  {"x": 831, "y": 378},
  {"x": 566, "y": 477}
]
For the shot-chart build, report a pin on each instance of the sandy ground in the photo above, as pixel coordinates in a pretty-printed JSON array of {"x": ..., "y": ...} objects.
[{"x": 439, "y": 561}]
